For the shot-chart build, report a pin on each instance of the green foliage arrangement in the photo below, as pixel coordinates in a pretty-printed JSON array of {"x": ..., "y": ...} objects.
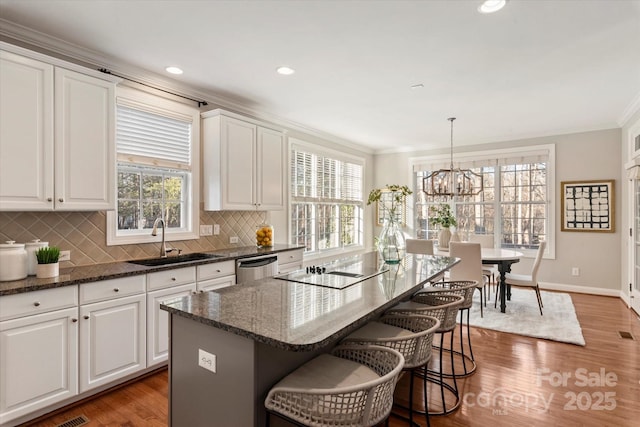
[
  {"x": 398, "y": 193},
  {"x": 441, "y": 215},
  {"x": 48, "y": 255}
]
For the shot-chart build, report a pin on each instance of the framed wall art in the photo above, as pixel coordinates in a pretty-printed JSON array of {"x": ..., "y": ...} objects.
[{"x": 588, "y": 206}]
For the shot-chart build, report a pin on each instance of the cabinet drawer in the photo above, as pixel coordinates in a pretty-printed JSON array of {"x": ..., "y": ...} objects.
[
  {"x": 110, "y": 289},
  {"x": 28, "y": 303},
  {"x": 289, "y": 257},
  {"x": 168, "y": 278},
  {"x": 216, "y": 269}
]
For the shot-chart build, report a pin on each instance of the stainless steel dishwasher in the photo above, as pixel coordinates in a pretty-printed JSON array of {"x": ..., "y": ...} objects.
[{"x": 255, "y": 268}]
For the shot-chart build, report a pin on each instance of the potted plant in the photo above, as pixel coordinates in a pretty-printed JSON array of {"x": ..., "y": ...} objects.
[
  {"x": 390, "y": 243},
  {"x": 442, "y": 216},
  {"x": 48, "y": 265}
]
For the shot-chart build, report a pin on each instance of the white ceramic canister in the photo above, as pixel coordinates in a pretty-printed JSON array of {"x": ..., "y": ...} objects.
[
  {"x": 32, "y": 247},
  {"x": 13, "y": 261}
]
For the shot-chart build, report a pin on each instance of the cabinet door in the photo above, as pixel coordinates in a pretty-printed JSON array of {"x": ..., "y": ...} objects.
[
  {"x": 26, "y": 133},
  {"x": 158, "y": 321},
  {"x": 271, "y": 170},
  {"x": 112, "y": 340},
  {"x": 238, "y": 152},
  {"x": 38, "y": 362},
  {"x": 85, "y": 142}
]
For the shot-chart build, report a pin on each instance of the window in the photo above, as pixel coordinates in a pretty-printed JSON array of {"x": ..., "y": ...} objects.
[
  {"x": 157, "y": 151},
  {"x": 514, "y": 206},
  {"x": 326, "y": 200}
]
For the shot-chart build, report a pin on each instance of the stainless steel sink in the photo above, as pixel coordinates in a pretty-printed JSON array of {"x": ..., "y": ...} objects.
[{"x": 153, "y": 262}]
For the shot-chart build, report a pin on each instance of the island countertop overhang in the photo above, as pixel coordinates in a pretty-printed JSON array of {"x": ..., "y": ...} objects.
[{"x": 302, "y": 317}]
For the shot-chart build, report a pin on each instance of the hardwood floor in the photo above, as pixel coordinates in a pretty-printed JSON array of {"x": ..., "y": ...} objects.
[{"x": 519, "y": 380}]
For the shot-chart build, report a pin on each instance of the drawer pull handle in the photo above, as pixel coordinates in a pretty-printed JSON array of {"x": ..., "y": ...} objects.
[
  {"x": 74, "y": 320},
  {"x": 116, "y": 289},
  {"x": 61, "y": 200},
  {"x": 37, "y": 304},
  {"x": 173, "y": 279},
  {"x": 49, "y": 199},
  {"x": 218, "y": 271},
  {"x": 86, "y": 317}
]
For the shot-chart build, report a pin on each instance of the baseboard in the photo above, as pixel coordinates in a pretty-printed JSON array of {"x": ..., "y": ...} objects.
[
  {"x": 580, "y": 289},
  {"x": 625, "y": 298}
]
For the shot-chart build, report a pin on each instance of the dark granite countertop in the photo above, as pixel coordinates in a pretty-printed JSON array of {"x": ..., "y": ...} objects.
[
  {"x": 302, "y": 317},
  {"x": 92, "y": 273}
]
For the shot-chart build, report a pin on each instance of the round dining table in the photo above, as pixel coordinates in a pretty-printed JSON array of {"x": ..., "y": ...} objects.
[{"x": 503, "y": 258}]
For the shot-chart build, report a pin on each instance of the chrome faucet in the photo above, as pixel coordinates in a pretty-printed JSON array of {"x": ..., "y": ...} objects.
[{"x": 154, "y": 232}]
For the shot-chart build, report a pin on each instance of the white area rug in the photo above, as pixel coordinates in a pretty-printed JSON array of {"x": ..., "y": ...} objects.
[{"x": 522, "y": 317}]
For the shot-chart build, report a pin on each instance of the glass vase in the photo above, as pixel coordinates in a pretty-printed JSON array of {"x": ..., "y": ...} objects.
[{"x": 391, "y": 243}]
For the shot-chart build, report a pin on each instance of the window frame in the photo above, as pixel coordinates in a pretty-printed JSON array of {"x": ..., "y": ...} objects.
[
  {"x": 155, "y": 104},
  {"x": 484, "y": 158},
  {"x": 324, "y": 152}
]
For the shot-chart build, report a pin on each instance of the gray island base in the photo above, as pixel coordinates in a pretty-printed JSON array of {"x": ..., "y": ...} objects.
[{"x": 254, "y": 334}]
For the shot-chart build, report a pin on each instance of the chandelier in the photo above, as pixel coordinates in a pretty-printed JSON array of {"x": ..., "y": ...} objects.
[{"x": 452, "y": 182}]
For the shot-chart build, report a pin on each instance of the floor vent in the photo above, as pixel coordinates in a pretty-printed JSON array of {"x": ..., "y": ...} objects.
[
  {"x": 75, "y": 422},
  {"x": 626, "y": 335}
]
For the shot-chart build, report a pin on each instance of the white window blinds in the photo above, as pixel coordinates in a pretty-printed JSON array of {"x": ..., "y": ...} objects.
[
  {"x": 147, "y": 138},
  {"x": 315, "y": 177}
]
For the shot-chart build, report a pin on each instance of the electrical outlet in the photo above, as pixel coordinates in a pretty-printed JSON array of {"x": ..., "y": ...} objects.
[
  {"x": 216, "y": 229},
  {"x": 65, "y": 256},
  {"x": 233, "y": 239},
  {"x": 206, "y": 230},
  {"x": 575, "y": 271},
  {"x": 207, "y": 360}
]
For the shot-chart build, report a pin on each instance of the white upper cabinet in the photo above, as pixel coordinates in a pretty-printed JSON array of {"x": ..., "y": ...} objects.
[
  {"x": 57, "y": 137},
  {"x": 243, "y": 164},
  {"x": 26, "y": 133},
  {"x": 84, "y": 142}
]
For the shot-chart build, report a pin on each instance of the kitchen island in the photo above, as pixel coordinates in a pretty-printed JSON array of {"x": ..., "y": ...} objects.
[{"x": 228, "y": 347}]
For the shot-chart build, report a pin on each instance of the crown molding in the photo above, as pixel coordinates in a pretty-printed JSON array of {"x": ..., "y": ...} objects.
[
  {"x": 631, "y": 110},
  {"x": 19, "y": 35}
]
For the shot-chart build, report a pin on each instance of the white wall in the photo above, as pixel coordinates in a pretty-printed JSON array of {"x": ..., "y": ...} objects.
[{"x": 581, "y": 156}]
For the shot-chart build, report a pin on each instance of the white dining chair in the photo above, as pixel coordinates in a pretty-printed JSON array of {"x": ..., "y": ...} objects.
[
  {"x": 419, "y": 246},
  {"x": 469, "y": 267},
  {"x": 490, "y": 271},
  {"x": 424, "y": 247},
  {"x": 528, "y": 280}
]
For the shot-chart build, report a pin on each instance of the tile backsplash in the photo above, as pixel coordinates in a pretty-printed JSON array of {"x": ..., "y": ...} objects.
[{"x": 84, "y": 234}]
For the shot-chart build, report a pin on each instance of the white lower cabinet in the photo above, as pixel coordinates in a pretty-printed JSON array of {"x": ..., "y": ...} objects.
[
  {"x": 216, "y": 275},
  {"x": 38, "y": 362},
  {"x": 289, "y": 261},
  {"x": 158, "y": 321},
  {"x": 112, "y": 340}
]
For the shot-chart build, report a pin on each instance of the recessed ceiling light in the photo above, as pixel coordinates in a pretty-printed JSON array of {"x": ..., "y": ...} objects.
[
  {"x": 417, "y": 86},
  {"x": 173, "y": 70},
  {"x": 490, "y": 6},
  {"x": 285, "y": 71}
]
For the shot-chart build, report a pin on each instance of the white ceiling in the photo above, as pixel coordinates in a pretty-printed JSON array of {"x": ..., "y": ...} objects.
[{"x": 536, "y": 68}]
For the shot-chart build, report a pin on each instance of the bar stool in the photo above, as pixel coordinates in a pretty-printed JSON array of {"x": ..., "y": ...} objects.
[
  {"x": 464, "y": 288},
  {"x": 443, "y": 306},
  {"x": 410, "y": 334},
  {"x": 352, "y": 386}
]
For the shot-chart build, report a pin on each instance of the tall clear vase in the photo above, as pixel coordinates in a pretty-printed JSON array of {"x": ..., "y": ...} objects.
[{"x": 391, "y": 243}]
